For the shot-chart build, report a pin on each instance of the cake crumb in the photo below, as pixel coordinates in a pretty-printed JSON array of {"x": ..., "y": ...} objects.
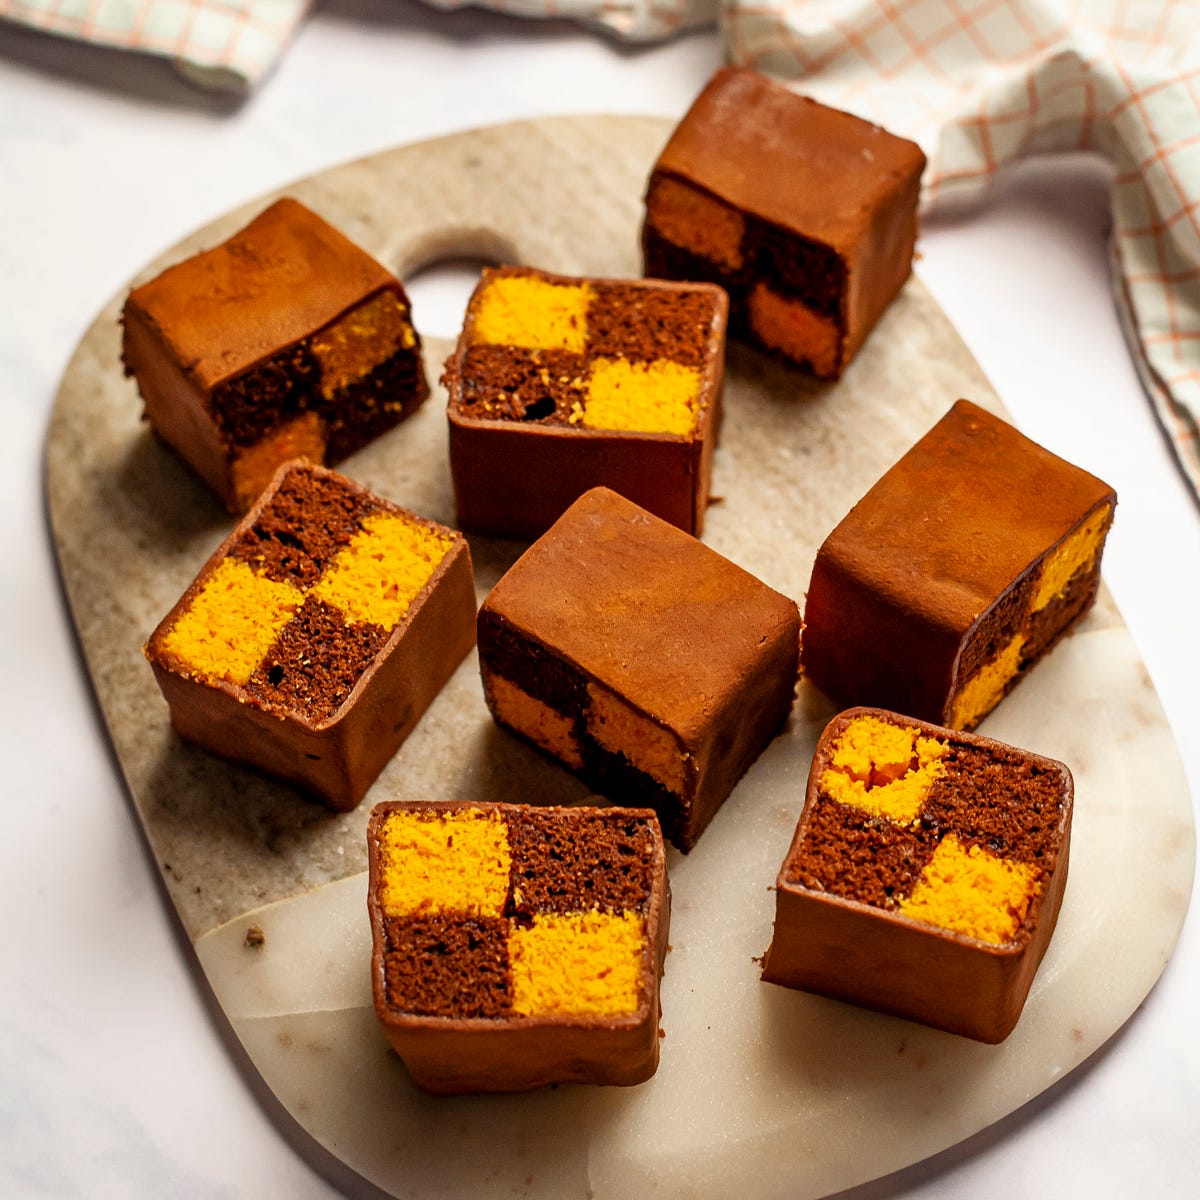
[{"x": 255, "y": 938}]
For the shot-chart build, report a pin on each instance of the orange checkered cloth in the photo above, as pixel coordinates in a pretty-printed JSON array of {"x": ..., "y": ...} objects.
[
  {"x": 223, "y": 44},
  {"x": 981, "y": 83}
]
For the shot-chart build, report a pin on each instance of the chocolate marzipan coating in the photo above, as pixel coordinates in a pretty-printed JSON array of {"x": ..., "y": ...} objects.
[
  {"x": 934, "y": 571},
  {"x": 826, "y": 204},
  {"x": 259, "y": 350},
  {"x": 667, "y": 667}
]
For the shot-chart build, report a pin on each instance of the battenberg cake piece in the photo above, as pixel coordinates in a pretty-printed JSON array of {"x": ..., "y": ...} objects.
[
  {"x": 805, "y": 215},
  {"x": 641, "y": 659},
  {"x": 286, "y": 340},
  {"x": 925, "y": 875},
  {"x": 561, "y": 384},
  {"x": 515, "y": 946},
  {"x": 315, "y": 637},
  {"x": 955, "y": 573}
]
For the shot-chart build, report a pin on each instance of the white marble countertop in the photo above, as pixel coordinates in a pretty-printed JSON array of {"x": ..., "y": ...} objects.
[{"x": 120, "y": 1075}]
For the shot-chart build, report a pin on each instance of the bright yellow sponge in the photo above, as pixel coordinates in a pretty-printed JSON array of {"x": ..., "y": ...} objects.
[
  {"x": 518, "y": 310},
  {"x": 232, "y": 622},
  {"x": 884, "y": 768},
  {"x": 383, "y": 569}
]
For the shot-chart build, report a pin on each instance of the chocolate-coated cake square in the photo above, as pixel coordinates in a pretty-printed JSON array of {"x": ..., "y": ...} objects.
[
  {"x": 561, "y": 384},
  {"x": 955, "y": 573},
  {"x": 805, "y": 215},
  {"x": 317, "y": 634},
  {"x": 925, "y": 875},
  {"x": 286, "y": 340},
  {"x": 640, "y": 658},
  {"x": 514, "y": 946}
]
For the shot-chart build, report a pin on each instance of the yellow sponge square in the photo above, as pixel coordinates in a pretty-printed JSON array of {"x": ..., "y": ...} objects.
[
  {"x": 445, "y": 862},
  {"x": 642, "y": 397},
  {"x": 382, "y": 570},
  {"x": 232, "y": 622},
  {"x": 973, "y": 892},
  {"x": 532, "y": 313},
  {"x": 569, "y": 964}
]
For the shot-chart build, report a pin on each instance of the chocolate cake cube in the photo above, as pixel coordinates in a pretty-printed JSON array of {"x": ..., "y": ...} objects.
[
  {"x": 955, "y": 573},
  {"x": 287, "y": 340},
  {"x": 926, "y": 873},
  {"x": 317, "y": 634},
  {"x": 514, "y": 946},
  {"x": 643, "y": 660},
  {"x": 805, "y": 215},
  {"x": 562, "y": 384}
]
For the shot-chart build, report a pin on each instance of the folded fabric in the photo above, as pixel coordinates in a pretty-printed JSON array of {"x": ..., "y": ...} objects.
[
  {"x": 633, "y": 20},
  {"x": 228, "y": 45}
]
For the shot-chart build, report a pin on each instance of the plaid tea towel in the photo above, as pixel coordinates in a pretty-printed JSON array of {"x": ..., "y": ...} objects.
[
  {"x": 632, "y": 20},
  {"x": 224, "y": 44}
]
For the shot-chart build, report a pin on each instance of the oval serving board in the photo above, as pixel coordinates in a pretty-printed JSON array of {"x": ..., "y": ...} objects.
[{"x": 762, "y": 1091}]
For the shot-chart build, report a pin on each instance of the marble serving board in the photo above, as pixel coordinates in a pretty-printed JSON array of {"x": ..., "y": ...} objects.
[{"x": 762, "y": 1092}]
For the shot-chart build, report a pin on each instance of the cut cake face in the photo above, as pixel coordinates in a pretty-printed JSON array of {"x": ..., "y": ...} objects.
[
  {"x": 955, "y": 573},
  {"x": 285, "y": 341},
  {"x": 313, "y": 640},
  {"x": 562, "y": 384},
  {"x": 925, "y": 875},
  {"x": 805, "y": 215},
  {"x": 516, "y": 946},
  {"x": 641, "y": 659}
]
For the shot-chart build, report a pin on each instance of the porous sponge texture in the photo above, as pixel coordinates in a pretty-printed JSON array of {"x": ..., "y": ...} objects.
[
  {"x": 653, "y": 397},
  {"x": 578, "y": 963},
  {"x": 970, "y": 891},
  {"x": 523, "y": 310},
  {"x": 520, "y": 901},
  {"x": 445, "y": 862},
  {"x": 883, "y": 768},
  {"x": 349, "y": 349},
  {"x": 383, "y": 569},
  {"x": 232, "y": 622},
  {"x": 1075, "y": 557}
]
